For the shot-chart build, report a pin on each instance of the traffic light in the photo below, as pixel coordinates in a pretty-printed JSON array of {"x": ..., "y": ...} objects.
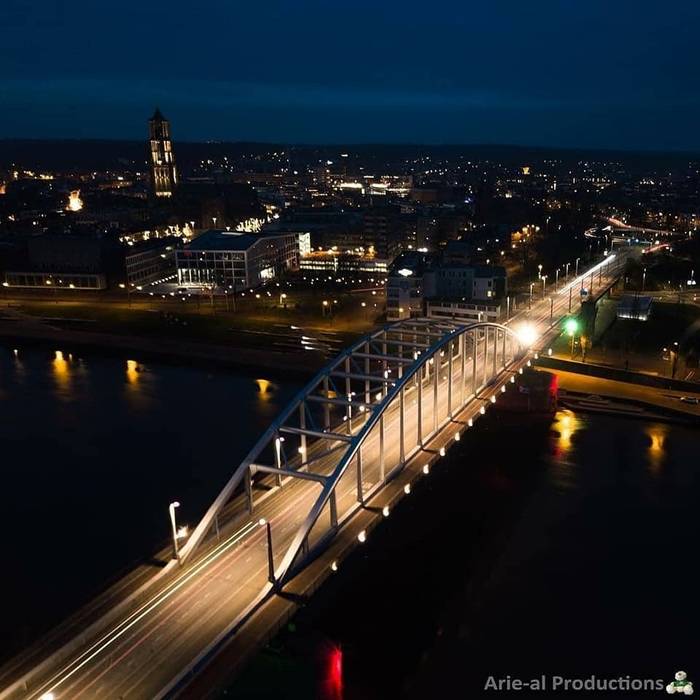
[{"x": 571, "y": 326}]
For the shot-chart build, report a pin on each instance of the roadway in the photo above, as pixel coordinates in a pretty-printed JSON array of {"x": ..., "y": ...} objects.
[{"x": 142, "y": 654}]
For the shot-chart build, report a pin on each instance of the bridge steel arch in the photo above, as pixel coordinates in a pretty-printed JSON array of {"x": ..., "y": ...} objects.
[{"x": 353, "y": 430}]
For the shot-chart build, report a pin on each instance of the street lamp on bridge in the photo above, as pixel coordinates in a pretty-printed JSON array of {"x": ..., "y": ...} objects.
[{"x": 173, "y": 523}]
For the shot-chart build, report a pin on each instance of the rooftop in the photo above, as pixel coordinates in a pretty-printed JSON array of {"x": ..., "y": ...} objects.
[{"x": 218, "y": 239}]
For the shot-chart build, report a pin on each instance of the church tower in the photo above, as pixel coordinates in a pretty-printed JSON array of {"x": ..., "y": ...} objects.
[{"x": 163, "y": 171}]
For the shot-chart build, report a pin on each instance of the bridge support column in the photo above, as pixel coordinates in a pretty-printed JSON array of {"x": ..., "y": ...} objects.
[
  {"x": 495, "y": 351},
  {"x": 360, "y": 490},
  {"x": 486, "y": 357},
  {"x": 381, "y": 448},
  {"x": 474, "y": 351},
  {"x": 270, "y": 557},
  {"x": 368, "y": 399},
  {"x": 419, "y": 395},
  {"x": 385, "y": 366},
  {"x": 436, "y": 374},
  {"x": 278, "y": 458},
  {"x": 462, "y": 362},
  {"x": 302, "y": 425},
  {"x": 505, "y": 335},
  {"x": 326, "y": 407},
  {"x": 449, "y": 378},
  {"x": 334, "y": 510},
  {"x": 402, "y": 452},
  {"x": 248, "y": 485},
  {"x": 348, "y": 394}
]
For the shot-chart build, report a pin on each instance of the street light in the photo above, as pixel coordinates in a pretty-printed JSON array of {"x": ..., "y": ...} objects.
[
  {"x": 644, "y": 277},
  {"x": 173, "y": 523},
  {"x": 529, "y": 306},
  {"x": 571, "y": 326},
  {"x": 576, "y": 271},
  {"x": 527, "y": 334},
  {"x": 544, "y": 284}
]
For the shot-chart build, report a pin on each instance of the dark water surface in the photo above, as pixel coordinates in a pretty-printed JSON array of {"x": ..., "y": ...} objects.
[
  {"x": 92, "y": 450},
  {"x": 567, "y": 548}
]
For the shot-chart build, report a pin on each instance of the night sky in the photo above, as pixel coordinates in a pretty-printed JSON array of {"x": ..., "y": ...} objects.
[{"x": 594, "y": 73}]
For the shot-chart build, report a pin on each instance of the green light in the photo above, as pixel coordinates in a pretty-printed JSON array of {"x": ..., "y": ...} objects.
[{"x": 571, "y": 326}]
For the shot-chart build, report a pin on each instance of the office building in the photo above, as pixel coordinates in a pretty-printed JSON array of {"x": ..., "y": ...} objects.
[{"x": 236, "y": 260}]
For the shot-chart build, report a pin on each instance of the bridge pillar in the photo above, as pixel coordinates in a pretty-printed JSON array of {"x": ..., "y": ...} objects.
[
  {"x": 505, "y": 335},
  {"x": 334, "y": 510},
  {"x": 381, "y": 448},
  {"x": 474, "y": 350},
  {"x": 326, "y": 407},
  {"x": 462, "y": 362},
  {"x": 402, "y": 453},
  {"x": 495, "y": 351},
  {"x": 420, "y": 409},
  {"x": 248, "y": 485},
  {"x": 278, "y": 458},
  {"x": 367, "y": 396},
  {"x": 302, "y": 425},
  {"x": 449, "y": 378},
  {"x": 360, "y": 490},
  {"x": 436, "y": 373}
]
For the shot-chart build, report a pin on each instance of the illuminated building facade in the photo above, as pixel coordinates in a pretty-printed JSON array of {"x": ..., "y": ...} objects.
[
  {"x": 162, "y": 158},
  {"x": 236, "y": 260}
]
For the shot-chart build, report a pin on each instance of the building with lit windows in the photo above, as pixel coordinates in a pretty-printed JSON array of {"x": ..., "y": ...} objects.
[
  {"x": 236, "y": 260},
  {"x": 151, "y": 261},
  {"x": 162, "y": 158}
]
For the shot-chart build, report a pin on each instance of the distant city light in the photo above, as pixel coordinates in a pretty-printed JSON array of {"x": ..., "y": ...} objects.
[{"x": 74, "y": 201}]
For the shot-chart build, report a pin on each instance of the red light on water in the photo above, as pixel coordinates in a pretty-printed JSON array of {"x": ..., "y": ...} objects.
[
  {"x": 334, "y": 674},
  {"x": 336, "y": 667}
]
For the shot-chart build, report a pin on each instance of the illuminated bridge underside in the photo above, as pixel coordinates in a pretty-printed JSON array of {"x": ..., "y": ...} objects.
[{"x": 354, "y": 426}]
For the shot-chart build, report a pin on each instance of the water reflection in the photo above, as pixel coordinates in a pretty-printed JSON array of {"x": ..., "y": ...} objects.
[
  {"x": 61, "y": 373},
  {"x": 132, "y": 372},
  {"x": 264, "y": 389},
  {"x": 566, "y": 424},
  {"x": 657, "y": 434}
]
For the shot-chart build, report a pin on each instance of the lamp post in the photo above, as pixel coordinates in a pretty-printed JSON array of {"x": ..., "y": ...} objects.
[
  {"x": 576, "y": 270},
  {"x": 544, "y": 285},
  {"x": 529, "y": 305},
  {"x": 556, "y": 280},
  {"x": 128, "y": 291},
  {"x": 644, "y": 277},
  {"x": 173, "y": 523},
  {"x": 567, "y": 271}
]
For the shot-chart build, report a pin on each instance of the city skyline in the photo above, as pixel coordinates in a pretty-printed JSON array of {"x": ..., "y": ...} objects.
[{"x": 588, "y": 76}]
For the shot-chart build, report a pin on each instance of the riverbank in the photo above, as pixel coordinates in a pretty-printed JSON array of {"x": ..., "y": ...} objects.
[{"x": 166, "y": 350}]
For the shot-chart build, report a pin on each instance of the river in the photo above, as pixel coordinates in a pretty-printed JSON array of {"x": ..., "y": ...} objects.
[
  {"x": 562, "y": 548},
  {"x": 93, "y": 451}
]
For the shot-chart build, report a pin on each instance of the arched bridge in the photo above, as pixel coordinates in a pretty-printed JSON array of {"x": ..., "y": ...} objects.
[
  {"x": 383, "y": 408},
  {"x": 355, "y": 425}
]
